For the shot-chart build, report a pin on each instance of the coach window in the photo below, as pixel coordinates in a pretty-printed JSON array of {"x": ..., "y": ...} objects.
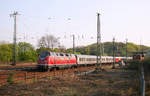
[
  {"x": 91, "y": 59},
  {"x": 109, "y": 59},
  {"x": 103, "y": 59},
  {"x": 80, "y": 59}
]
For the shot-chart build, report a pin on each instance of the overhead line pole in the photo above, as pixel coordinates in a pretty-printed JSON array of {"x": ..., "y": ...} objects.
[
  {"x": 113, "y": 67},
  {"x": 98, "y": 42},
  {"x": 126, "y": 50},
  {"x": 73, "y": 44},
  {"x": 103, "y": 49},
  {"x": 14, "y": 15}
]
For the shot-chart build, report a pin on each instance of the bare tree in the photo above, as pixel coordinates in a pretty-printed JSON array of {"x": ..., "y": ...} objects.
[{"x": 48, "y": 41}]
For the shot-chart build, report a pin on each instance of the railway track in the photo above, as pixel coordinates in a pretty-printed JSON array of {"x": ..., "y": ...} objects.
[
  {"x": 32, "y": 75},
  {"x": 18, "y": 67}
]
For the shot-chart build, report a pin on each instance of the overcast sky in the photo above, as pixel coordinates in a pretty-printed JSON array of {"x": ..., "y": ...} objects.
[{"x": 62, "y": 18}]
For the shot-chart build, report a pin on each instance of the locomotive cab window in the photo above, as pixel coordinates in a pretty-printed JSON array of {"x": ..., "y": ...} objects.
[{"x": 44, "y": 54}]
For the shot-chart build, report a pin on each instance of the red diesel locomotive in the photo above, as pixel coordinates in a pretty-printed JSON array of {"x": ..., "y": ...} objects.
[{"x": 49, "y": 60}]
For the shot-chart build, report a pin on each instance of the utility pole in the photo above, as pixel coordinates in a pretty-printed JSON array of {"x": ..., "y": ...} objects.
[
  {"x": 113, "y": 67},
  {"x": 14, "y": 15},
  {"x": 102, "y": 49},
  {"x": 98, "y": 41},
  {"x": 126, "y": 50},
  {"x": 73, "y": 44}
]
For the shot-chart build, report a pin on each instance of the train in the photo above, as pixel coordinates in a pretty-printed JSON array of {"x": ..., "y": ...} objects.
[{"x": 50, "y": 60}]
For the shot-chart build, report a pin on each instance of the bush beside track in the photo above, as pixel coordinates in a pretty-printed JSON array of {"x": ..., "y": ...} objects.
[
  {"x": 146, "y": 65},
  {"x": 137, "y": 65}
]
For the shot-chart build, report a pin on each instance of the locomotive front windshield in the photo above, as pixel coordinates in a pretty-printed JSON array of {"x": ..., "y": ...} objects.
[{"x": 44, "y": 54}]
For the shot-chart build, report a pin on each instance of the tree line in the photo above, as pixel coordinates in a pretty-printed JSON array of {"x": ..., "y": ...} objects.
[{"x": 27, "y": 53}]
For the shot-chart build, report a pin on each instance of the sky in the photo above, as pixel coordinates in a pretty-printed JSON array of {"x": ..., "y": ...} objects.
[{"x": 62, "y": 18}]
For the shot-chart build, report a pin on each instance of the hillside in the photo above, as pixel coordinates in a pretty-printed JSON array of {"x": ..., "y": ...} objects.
[{"x": 120, "y": 49}]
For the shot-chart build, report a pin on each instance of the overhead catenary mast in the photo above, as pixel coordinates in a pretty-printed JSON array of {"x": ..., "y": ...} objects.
[
  {"x": 73, "y": 44},
  {"x": 113, "y": 66},
  {"x": 98, "y": 41},
  {"x": 14, "y": 15},
  {"x": 126, "y": 50}
]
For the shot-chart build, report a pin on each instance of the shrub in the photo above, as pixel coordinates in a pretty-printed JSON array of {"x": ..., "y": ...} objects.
[
  {"x": 133, "y": 64},
  {"x": 146, "y": 65},
  {"x": 10, "y": 79}
]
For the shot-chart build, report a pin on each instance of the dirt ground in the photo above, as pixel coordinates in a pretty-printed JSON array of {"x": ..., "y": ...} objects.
[{"x": 109, "y": 82}]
